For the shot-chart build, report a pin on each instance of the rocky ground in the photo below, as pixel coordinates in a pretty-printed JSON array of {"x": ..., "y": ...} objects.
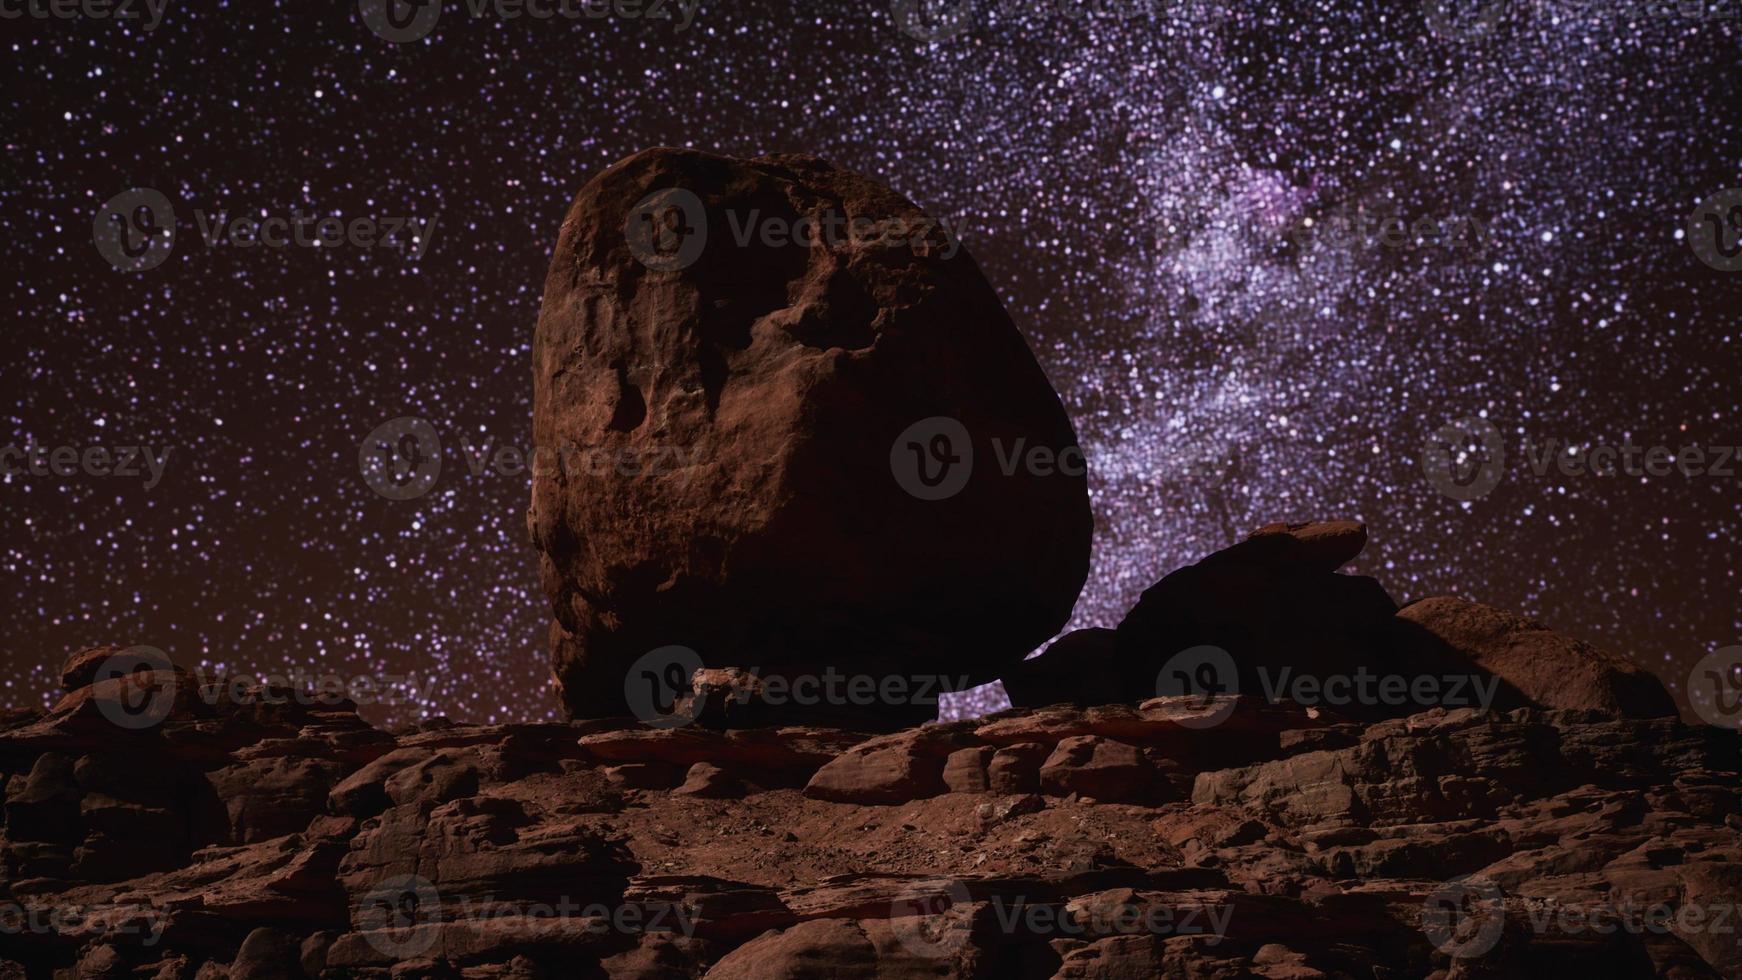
[{"x": 1186, "y": 835}]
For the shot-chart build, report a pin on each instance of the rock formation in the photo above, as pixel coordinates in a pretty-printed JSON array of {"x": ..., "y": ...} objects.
[
  {"x": 1267, "y": 770},
  {"x": 1278, "y": 609},
  {"x": 1197, "y": 835},
  {"x": 735, "y": 363}
]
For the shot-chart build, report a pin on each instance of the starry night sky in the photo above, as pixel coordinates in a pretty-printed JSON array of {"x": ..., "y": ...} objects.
[{"x": 1129, "y": 185}]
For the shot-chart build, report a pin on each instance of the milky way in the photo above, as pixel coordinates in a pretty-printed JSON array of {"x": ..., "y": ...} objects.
[{"x": 1184, "y": 210}]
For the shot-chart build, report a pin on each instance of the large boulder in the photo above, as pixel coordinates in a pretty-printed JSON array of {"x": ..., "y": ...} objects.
[{"x": 838, "y": 453}]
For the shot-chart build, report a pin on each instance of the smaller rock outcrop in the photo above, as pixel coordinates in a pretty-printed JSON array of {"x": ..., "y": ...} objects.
[
  {"x": 1543, "y": 667},
  {"x": 1281, "y": 622}
]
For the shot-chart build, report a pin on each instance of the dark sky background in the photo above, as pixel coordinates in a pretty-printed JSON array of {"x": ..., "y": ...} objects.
[{"x": 1127, "y": 183}]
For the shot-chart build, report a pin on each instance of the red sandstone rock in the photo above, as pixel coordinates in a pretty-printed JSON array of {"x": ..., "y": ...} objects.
[
  {"x": 965, "y": 769},
  {"x": 1016, "y": 768},
  {"x": 1545, "y": 667},
  {"x": 252, "y": 842},
  {"x": 1103, "y": 769},
  {"x": 891, "y": 769},
  {"x": 708, "y": 780},
  {"x": 748, "y": 405},
  {"x": 1322, "y": 545}
]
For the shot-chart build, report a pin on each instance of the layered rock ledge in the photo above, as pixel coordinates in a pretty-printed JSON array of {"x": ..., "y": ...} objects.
[{"x": 250, "y": 840}]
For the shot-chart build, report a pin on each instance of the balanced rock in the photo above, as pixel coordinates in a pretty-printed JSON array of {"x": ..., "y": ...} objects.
[{"x": 782, "y": 420}]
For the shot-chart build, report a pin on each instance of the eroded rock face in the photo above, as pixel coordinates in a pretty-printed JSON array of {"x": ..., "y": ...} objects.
[
  {"x": 1063, "y": 842},
  {"x": 1272, "y": 602},
  {"x": 1548, "y": 668},
  {"x": 1279, "y": 614},
  {"x": 749, "y": 405},
  {"x": 1571, "y": 828},
  {"x": 1173, "y": 838}
]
